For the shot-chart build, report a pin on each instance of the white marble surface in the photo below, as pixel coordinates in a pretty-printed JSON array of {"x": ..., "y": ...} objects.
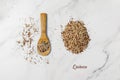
[{"x": 102, "y": 57}]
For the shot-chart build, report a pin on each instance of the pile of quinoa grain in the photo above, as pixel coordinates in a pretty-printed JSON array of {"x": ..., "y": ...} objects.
[
  {"x": 27, "y": 42},
  {"x": 44, "y": 46},
  {"x": 75, "y": 36}
]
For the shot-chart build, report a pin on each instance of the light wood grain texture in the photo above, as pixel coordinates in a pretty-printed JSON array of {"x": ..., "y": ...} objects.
[{"x": 44, "y": 37}]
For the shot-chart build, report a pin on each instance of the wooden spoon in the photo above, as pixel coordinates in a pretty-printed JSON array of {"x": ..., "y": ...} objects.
[{"x": 44, "y": 38}]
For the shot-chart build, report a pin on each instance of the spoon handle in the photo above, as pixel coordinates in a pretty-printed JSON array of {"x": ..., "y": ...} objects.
[{"x": 43, "y": 23}]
